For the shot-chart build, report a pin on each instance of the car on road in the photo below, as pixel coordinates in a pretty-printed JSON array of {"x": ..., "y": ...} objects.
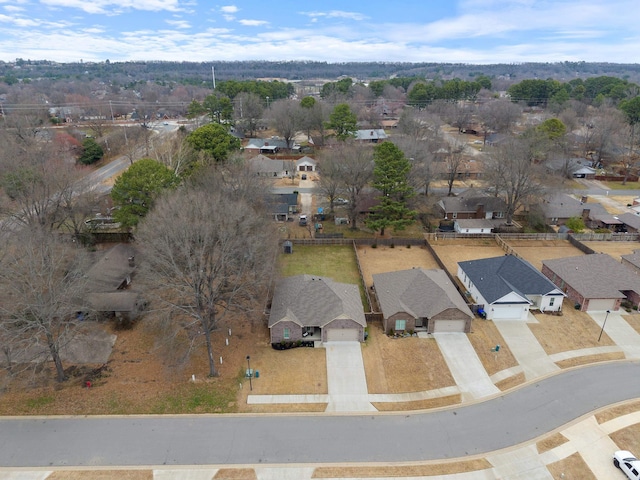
[
  {"x": 303, "y": 220},
  {"x": 630, "y": 465}
]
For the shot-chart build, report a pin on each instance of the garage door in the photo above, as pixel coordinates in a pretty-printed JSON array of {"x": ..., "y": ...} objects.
[
  {"x": 448, "y": 326},
  {"x": 342, "y": 335},
  {"x": 507, "y": 312},
  {"x": 600, "y": 304}
]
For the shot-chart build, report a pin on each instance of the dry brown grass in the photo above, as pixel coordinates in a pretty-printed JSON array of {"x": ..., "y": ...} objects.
[
  {"x": 404, "y": 364},
  {"x": 535, "y": 251},
  {"x": 551, "y": 442},
  {"x": 589, "y": 359},
  {"x": 573, "y": 466},
  {"x": 385, "y": 259},
  {"x": 618, "y": 411},
  {"x": 628, "y": 438},
  {"x": 573, "y": 330},
  {"x": 615, "y": 249},
  {"x": 101, "y": 475},
  {"x": 634, "y": 321},
  {"x": 282, "y": 408},
  {"x": 452, "y": 251},
  {"x": 236, "y": 474},
  {"x": 484, "y": 336},
  {"x": 418, "y": 404},
  {"x": 402, "y": 470},
  {"x": 511, "y": 382}
]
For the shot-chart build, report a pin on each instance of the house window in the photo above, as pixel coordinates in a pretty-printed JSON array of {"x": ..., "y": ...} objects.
[
  {"x": 498, "y": 215},
  {"x": 286, "y": 334},
  {"x": 552, "y": 301},
  {"x": 401, "y": 324}
]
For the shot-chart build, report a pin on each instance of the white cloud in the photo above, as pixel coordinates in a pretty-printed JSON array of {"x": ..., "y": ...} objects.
[
  {"x": 335, "y": 14},
  {"x": 116, "y": 6},
  {"x": 229, "y": 9},
  {"x": 13, "y": 9},
  {"x": 253, "y": 23},
  {"x": 179, "y": 23}
]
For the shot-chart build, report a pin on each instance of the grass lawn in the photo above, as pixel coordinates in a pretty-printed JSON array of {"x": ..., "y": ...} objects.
[
  {"x": 621, "y": 186},
  {"x": 337, "y": 262}
]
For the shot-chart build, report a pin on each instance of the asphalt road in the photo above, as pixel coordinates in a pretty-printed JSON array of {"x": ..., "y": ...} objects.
[{"x": 289, "y": 439}]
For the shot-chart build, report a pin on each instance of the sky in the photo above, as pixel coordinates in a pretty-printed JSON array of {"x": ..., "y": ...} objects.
[{"x": 442, "y": 31}]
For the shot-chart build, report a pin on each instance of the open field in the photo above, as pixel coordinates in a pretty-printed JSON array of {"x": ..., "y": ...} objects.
[
  {"x": 535, "y": 251},
  {"x": 385, "y": 259},
  {"x": 452, "y": 251},
  {"x": 615, "y": 249},
  {"x": 337, "y": 262}
]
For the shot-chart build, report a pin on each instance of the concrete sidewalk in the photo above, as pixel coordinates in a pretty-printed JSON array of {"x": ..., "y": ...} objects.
[
  {"x": 623, "y": 334},
  {"x": 525, "y": 347},
  {"x": 465, "y": 366}
]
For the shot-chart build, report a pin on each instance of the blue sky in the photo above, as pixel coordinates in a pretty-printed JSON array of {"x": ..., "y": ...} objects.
[{"x": 467, "y": 31}]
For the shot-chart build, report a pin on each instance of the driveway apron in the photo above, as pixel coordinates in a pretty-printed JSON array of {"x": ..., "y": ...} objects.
[
  {"x": 346, "y": 380},
  {"x": 465, "y": 366},
  {"x": 620, "y": 332},
  {"x": 525, "y": 347}
]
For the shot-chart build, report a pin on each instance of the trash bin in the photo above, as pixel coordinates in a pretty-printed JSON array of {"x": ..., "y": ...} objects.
[{"x": 257, "y": 374}]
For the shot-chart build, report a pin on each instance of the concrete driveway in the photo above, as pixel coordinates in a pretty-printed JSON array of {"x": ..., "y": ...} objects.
[
  {"x": 347, "y": 383},
  {"x": 623, "y": 334}
]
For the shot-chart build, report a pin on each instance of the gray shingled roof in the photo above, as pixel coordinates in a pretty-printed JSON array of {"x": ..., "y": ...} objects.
[
  {"x": 595, "y": 276},
  {"x": 468, "y": 202},
  {"x": 631, "y": 219},
  {"x": 499, "y": 276},
  {"x": 312, "y": 301},
  {"x": 633, "y": 258},
  {"x": 565, "y": 206},
  {"x": 419, "y": 292},
  {"x": 111, "y": 270}
]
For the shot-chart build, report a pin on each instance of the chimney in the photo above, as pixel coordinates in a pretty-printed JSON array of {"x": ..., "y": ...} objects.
[
  {"x": 480, "y": 213},
  {"x": 585, "y": 214}
]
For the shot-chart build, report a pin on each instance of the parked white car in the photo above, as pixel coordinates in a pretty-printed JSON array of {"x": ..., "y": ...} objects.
[{"x": 630, "y": 465}]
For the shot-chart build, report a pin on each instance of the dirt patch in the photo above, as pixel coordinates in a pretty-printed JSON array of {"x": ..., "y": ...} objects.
[
  {"x": 402, "y": 471},
  {"x": 551, "y": 442},
  {"x": 236, "y": 474},
  {"x": 535, "y": 251},
  {"x": 484, "y": 336},
  {"x": 452, "y": 251},
  {"x": 618, "y": 411},
  {"x": 573, "y": 330},
  {"x": 385, "y": 259},
  {"x": 573, "y": 466},
  {"x": 589, "y": 359},
  {"x": 101, "y": 475},
  {"x": 628, "y": 438},
  {"x": 633, "y": 321},
  {"x": 511, "y": 382},
  {"x": 404, "y": 364},
  {"x": 418, "y": 404},
  {"x": 615, "y": 249}
]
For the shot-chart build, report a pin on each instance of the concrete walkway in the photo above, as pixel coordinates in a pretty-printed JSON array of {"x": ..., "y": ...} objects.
[
  {"x": 347, "y": 383},
  {"x": 525, "y": 347},
  {"x": 465, "y": 366},
  {"x": 624, "y": 335}
]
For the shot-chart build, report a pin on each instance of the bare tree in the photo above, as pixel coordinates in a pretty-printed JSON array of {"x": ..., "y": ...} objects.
[
  {"x": 512, "y": 169},
  {"x": 42, "y": 283},
  {"x": 499, "y": 115},
  {"x": 207, "y": 254},
  {"x": 174, "y": 153},
  {"x": 454, "y": 160},
  {"x": 247, "y": 112},
  {"x": 285, "y": 118}
]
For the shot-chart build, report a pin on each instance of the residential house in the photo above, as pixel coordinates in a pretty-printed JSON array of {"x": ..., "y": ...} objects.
[
  {"x": 572, "y": 167},
  {"x": 108, "y": 282},
  {"x": 306, "y": 164},
  {"x": 473, "y": 203},
  {"x": 373, "y": 135},
  {"x": 559, "y": 208},
  {"x": 269, "y": 167},
  {"x": 475, "y": 225},
  {"x": 631, "y": 222},
  {"x": 508, "y": 287},
  {"x": 594, "y": 282},
  {"x": 282, "y": 205},
  {"x": 632, "y": 260},
  {"x": 310, "y": 308},
  {"x": 420, "y": 299}
]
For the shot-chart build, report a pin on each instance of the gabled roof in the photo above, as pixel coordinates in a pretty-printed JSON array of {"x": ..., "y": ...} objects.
[
  {"x": 419, "y": 292},
  {"x": 469, "y": 201},
  {"x": 312, "y": 301},
  {"x": 258, "y": 143},
  {"x": 262, "y": 163},
  {"x": 305, "y": 159},
  {"x": 371, "y": 134},
  {"x": 565, "y": 206},
  {"x": 111, "y": 269},
  {"x": 630, "y": 219},
  {"x": 633, "y": 258},
  {"x": 499, "y": 276},
  {"x": 595, "y": 276}
]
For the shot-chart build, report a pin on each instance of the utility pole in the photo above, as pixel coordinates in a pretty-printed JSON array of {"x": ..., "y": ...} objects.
[{"x": 213, "y": 76}]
